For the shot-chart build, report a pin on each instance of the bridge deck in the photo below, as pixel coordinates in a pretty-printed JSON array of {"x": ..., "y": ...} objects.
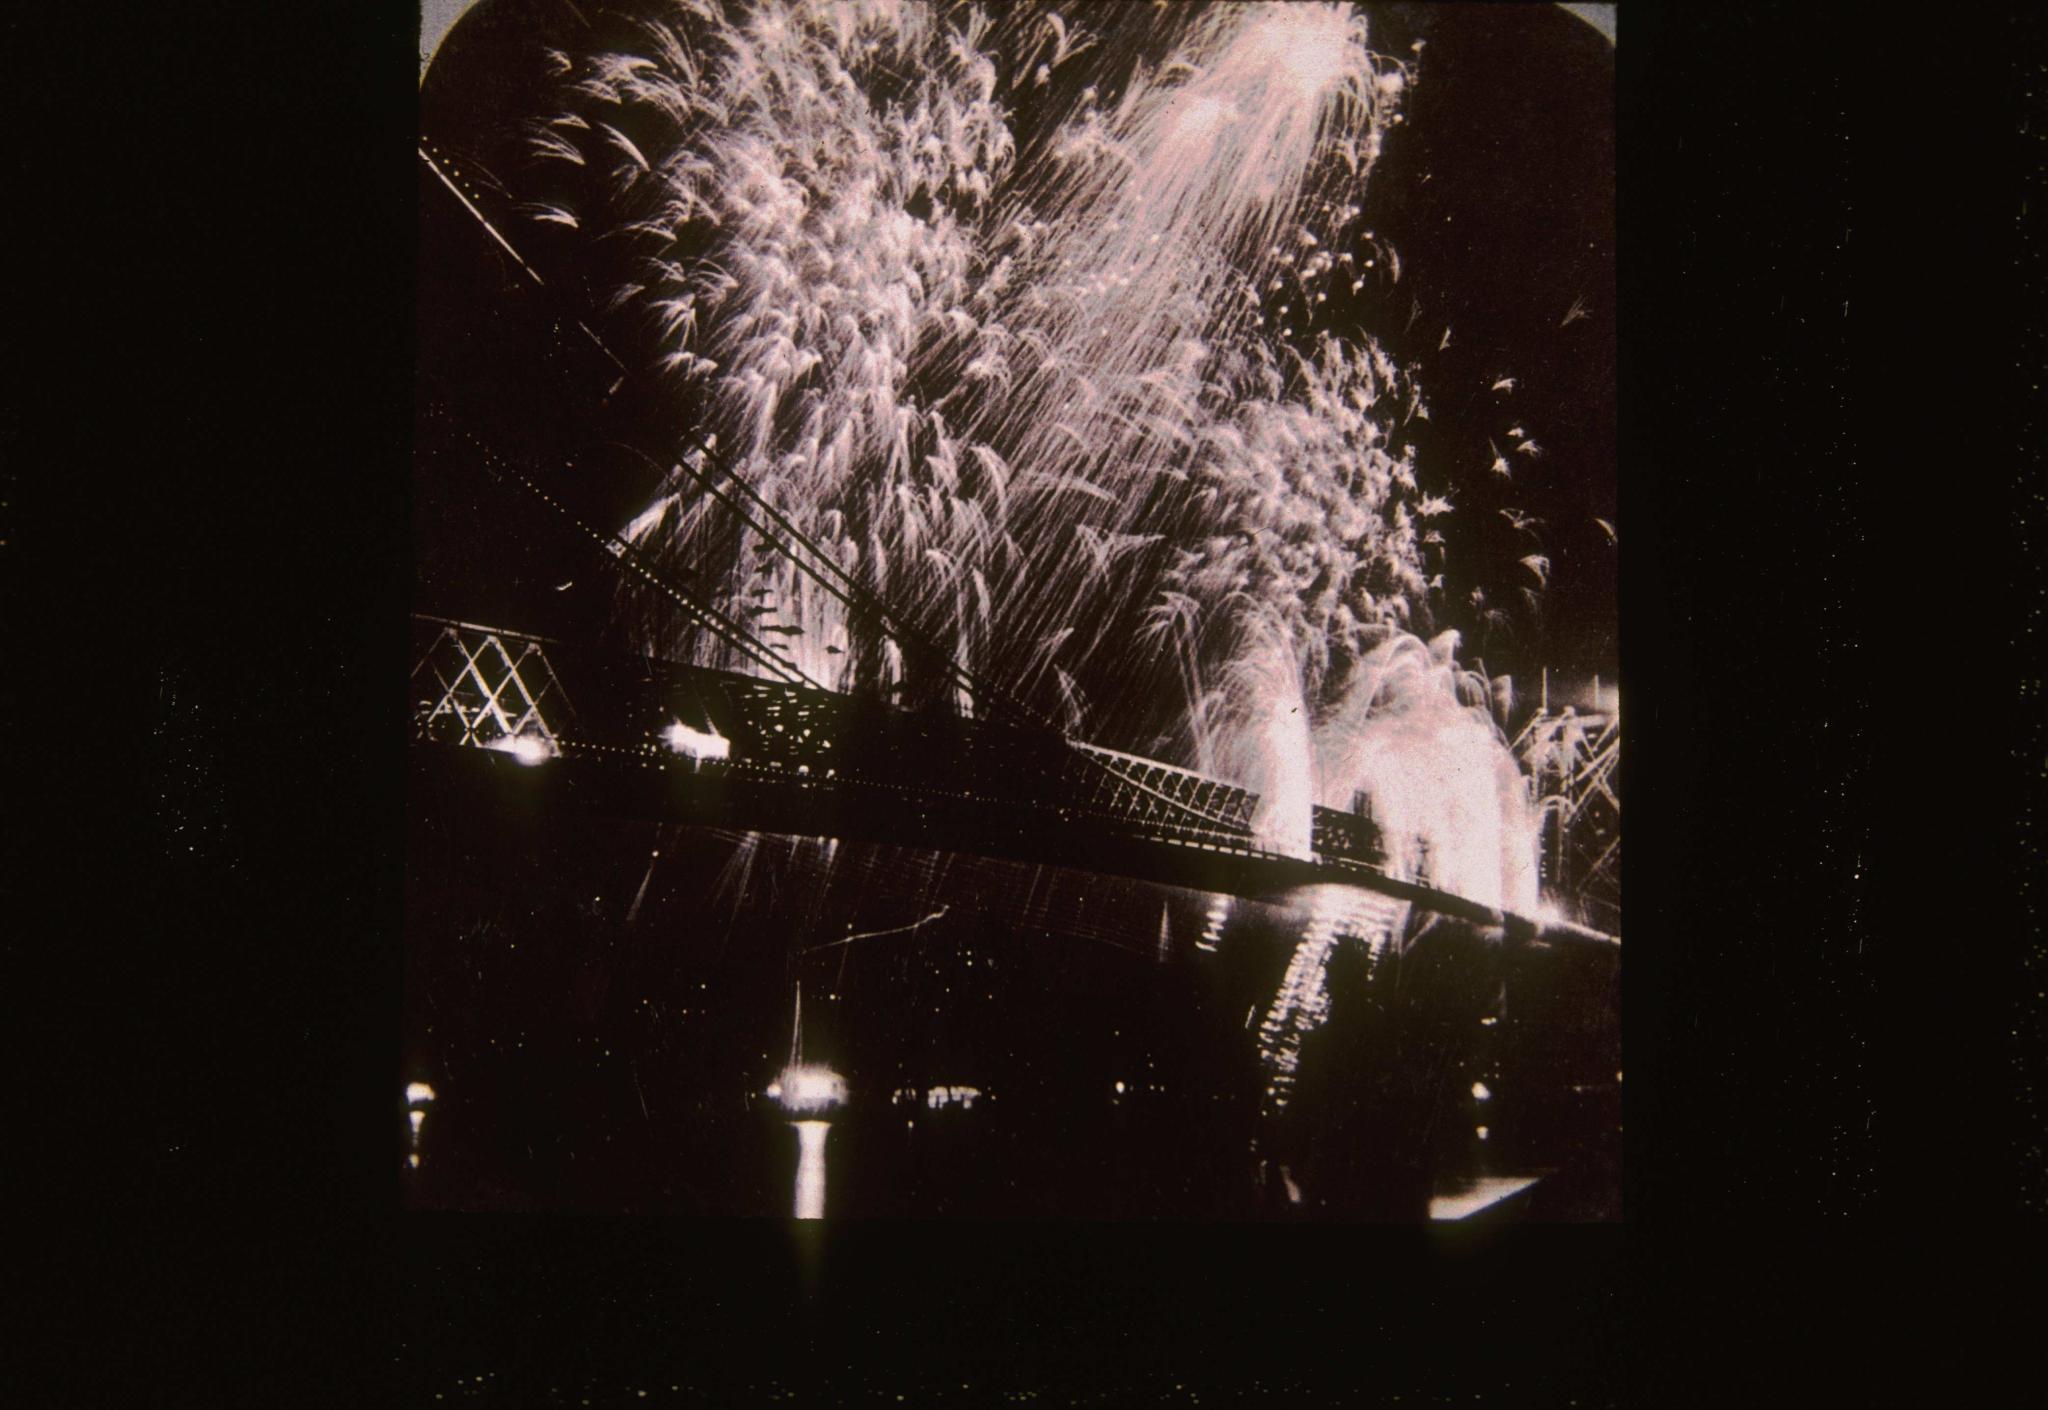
[{"x": 565, "y": 727}]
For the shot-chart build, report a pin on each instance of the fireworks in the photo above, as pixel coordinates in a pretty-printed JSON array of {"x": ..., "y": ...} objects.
[{"x": 1013, "y": 312}]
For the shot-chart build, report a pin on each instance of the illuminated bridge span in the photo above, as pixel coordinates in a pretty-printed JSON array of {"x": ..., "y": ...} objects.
[
  {"x": 561, "y": 726},
  {"x": 569, "y": 727}
]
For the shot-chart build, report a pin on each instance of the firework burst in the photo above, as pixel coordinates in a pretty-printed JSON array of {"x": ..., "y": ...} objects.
[{"x": 1013, "y": 313}]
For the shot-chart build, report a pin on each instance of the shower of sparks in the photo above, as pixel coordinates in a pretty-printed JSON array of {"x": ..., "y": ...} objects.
[
  {"x": 1417, "y": 739},
  {"x": 1068, "y": 408}
]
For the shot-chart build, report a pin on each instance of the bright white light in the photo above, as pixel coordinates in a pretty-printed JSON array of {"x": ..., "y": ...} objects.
[
  {"x": 528, "y": 749},
  {"x": 809, "y": 1088},
  {"x": 1306, "y": 44},
  {"x": 1480, "y": 1091},
  {"x": 1445, "y": 789},
  {"x": 1203, "y": 115},
  {"x": 1487, "y": 1191},
  {"x": 418, "y": 1094},
  {"x": 810, "y": 1169},
  {"x": 1219, "y": 916},
  {"x": 697, "y": 744},
  {"x": 418, "y": 1118},
  {"x": 1119, "y": 1086},
  {"x": 1482, "y": 1133}
]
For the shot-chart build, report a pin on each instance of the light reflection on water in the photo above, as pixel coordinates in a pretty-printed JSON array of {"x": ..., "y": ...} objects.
[
  {"x": 1215, "y": 1045},
  {"x": 1331, "y": 915}
]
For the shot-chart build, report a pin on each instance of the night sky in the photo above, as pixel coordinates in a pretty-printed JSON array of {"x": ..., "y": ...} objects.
[{"x": 1499, "y": 194}]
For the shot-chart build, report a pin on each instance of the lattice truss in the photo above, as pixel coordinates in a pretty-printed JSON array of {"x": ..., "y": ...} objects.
[
  {"x": 485, "y": 688},
  {"x": 1574, "y": 761},
  {"x": 1159, "y": 795}
]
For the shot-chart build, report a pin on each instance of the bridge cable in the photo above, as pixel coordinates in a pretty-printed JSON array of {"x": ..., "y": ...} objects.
[
  {"x": 849, "y": 591},
  {"x": 732, "y": 633},
  {"x": 861, "y": 595}
]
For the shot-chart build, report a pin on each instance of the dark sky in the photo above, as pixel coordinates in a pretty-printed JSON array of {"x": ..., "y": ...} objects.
[{"x": 1498, "y": 192}]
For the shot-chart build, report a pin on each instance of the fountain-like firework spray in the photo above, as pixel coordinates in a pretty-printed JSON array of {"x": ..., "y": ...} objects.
[
  {"x": 1264, "y": 742},
  {"x": 1413, "y": 734}
]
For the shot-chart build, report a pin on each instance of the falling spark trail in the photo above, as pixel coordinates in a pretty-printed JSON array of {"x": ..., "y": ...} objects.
[
  {"x": 876, "y": 934},
  {"x": 633, "y": 911}
]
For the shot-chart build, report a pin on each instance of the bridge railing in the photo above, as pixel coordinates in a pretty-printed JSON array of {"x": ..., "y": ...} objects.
[{"x": 1151, "y": 789}]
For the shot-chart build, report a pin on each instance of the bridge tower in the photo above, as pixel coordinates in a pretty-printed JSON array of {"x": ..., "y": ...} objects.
[{"x": 1573, "y": 761}]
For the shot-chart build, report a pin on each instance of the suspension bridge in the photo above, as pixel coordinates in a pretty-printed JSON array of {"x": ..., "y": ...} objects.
[{"x": 546, "y": 723}]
